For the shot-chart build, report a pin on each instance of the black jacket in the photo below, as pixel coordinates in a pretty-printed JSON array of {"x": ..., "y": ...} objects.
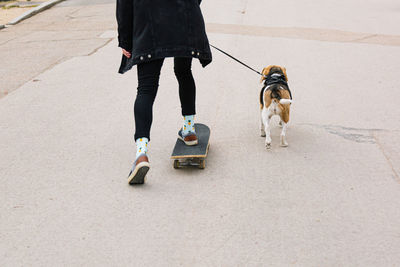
[{"x": 153, "y": 29}]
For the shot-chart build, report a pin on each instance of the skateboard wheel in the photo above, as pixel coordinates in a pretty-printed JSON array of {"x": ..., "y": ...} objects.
[
  {"x": 202, "y": 164},
  {"x": 176, "y": 164}
]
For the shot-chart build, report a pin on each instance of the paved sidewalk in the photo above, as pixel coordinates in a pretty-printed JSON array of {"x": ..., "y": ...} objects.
[
  {"x": 12, "y": 9},
  {"x": 330, "y": 199},
  {"x": 72, "y": 28}
]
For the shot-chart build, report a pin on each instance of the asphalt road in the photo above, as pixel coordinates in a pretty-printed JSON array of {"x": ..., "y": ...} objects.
[{"x": 329, "y": 199}]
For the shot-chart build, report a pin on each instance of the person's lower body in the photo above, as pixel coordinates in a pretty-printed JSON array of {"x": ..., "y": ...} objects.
[{"x": 148, "y": 81}]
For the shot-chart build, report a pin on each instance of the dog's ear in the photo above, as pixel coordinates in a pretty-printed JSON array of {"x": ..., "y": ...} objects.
[
  {"x": 284, "y": 73},
  {"x": 264, "y": 73},
  {"x": 262, "y": 76}
]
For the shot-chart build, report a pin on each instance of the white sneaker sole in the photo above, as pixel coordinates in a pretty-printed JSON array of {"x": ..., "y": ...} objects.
[
  {"x": 189, "y": 143},
  {"x": 138, "y": 176}
]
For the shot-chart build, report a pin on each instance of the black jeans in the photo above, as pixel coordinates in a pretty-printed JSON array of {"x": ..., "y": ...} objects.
[{"x": 148, "y": 78}]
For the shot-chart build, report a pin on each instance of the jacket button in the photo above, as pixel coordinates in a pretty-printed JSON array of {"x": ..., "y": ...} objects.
[
  {"x": 141, "y": 58},
  {"x": 149, "y": 56}
]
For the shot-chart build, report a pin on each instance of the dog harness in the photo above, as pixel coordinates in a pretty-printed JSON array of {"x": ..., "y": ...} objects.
[{"x": 277, "y": 78}]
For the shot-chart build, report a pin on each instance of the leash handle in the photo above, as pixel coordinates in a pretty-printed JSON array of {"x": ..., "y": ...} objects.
[{"x": 232, "y": 57}]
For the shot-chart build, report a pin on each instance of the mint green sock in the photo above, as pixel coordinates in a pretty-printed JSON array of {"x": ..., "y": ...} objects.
[
  {"x": 188, "y": 124},
  {"x": 141, "y": 146}
]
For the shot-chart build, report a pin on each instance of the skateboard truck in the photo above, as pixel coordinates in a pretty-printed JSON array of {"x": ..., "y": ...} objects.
[{"x": 179, "y": 163}]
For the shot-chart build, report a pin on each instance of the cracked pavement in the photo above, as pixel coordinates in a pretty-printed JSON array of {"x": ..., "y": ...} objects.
[{"x": 329, "y": 199}]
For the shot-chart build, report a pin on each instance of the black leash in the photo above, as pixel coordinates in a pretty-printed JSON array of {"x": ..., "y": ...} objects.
[
  {"x": 232, "y": 57},
  {"x": 268, "y": 78}
]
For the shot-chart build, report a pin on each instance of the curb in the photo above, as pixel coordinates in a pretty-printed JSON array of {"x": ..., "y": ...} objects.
[
  {"x": 2, "y": 27},
  {"x": 34, "y": 11}
]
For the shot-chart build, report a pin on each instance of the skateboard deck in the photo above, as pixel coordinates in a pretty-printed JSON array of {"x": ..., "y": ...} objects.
[{"x": 184, "y": 155}]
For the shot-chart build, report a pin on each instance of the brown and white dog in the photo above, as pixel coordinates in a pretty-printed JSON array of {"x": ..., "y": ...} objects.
[{"x": 275, "y": 99}]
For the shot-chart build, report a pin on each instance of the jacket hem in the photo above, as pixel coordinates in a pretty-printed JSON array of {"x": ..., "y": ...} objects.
[{"x": 205, "y": 58}]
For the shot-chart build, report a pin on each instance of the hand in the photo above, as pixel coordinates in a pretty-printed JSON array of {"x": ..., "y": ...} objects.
[{"x": 126, "y": 53}]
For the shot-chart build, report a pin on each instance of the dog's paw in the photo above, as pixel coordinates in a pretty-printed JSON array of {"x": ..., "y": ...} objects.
[
  {"x": 268, "y": 143},
  {"x": 283, "y": 141}
]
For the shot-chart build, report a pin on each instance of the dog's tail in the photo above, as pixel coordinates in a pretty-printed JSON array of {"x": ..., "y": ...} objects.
[{"x": 284, "y": 101}]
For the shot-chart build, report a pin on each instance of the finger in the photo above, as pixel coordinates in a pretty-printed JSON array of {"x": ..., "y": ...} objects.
[{"x": 127, "y": 54}]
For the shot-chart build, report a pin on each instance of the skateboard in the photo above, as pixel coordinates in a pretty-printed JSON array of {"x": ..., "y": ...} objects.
[{"x": 184, "y": 155}]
